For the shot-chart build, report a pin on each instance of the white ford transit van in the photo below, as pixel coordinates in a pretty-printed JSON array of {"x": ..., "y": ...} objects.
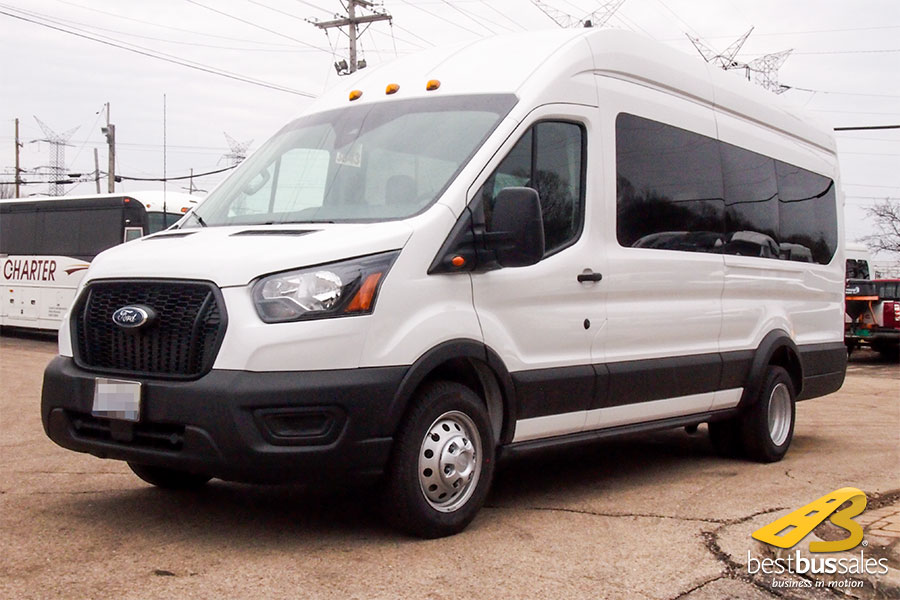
[{"x": 519, "y": 242}]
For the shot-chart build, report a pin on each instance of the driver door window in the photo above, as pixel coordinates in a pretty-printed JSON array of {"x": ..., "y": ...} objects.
[{"x": 549, "y": 158}]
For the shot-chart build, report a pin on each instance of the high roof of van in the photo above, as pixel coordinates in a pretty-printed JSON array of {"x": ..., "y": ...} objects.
[{"x": 560, "y": 66}]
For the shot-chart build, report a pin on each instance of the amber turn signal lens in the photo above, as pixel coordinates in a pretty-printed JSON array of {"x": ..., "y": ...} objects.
[
  {"x": 362, "y": 301},
  {"x": 458, "y": 261}
]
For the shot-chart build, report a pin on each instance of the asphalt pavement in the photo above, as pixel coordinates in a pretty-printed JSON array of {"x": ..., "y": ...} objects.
[{"x": 658, "y": 516}]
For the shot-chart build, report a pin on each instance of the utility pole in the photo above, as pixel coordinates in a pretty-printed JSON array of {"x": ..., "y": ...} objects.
[
  {"x": 352, "y": 22},
  {"x": 96, "y": 170},
  {"x": 110, "y": 132},
  {"x": 18, "y": 170}
]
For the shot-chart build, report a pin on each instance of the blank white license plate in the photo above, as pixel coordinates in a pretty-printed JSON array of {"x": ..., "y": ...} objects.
[{"x": 117, "y": 399}]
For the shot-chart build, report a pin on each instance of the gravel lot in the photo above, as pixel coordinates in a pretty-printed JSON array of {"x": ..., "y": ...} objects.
[{"x": 654, "y": 517}]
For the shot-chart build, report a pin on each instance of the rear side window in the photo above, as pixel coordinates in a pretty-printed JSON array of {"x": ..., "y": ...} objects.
[
  {"x": 679, "y": 190},
  {"x": 669, "y": 187},
  {"x": 548, "y": 158}
]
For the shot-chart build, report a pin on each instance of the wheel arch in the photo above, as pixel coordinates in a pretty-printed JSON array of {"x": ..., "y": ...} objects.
[
  {"x": 469, "y": 363},
  {"x": 776, "y": 349}
]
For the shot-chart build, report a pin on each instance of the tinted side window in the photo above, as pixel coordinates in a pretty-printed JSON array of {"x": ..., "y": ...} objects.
[
  {"x": 807, "y": 212},
  {"x": 549, "y": 158},
  {"x": 59, "y": 232},
  {"x": 17, "y": 232},
  {"x": 751, "y": 203},
  {"x": 98, "y": 229},
  {"x": 669, "y": 187}
]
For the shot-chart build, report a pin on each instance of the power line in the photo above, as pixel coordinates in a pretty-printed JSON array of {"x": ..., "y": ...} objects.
[
  {"x": 252, "y": 24},
  {"x": 802, "y": 89},
  {"x": 802, "y": 32},
  {"x": 866, "y": 127},
  {"x": 469, "y": 16},
  {"x": 850, "y": 51},
  {"x": 79, "y": 25},
  {"x": 311, "y": 5},
  {"x": 503, "y": 14},
  {"x": 128, "y": 178},
  {"x": 190, "y": 31},
  {"x": 442, "y": 19},
  {"x": 164, "y": 57}
]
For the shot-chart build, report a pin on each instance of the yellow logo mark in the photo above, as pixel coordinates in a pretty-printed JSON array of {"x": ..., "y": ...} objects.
[{"x": 790, "y": 529}]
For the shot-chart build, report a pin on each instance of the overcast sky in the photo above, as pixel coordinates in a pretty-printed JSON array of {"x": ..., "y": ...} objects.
[{"x": 845, "y": 69}]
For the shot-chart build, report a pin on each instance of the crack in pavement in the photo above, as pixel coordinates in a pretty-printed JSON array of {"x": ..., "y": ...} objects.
[
  {"x": 578, "y": 511},
  {"x": 697, "y": 587},
  {"x": 710, "y": 540}
]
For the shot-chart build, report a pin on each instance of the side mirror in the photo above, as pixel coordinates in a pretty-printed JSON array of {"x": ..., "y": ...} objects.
[{"x": 517, "y": 229}]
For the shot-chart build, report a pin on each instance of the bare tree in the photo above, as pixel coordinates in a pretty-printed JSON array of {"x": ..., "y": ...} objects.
[{"x": 886, "y": 215}]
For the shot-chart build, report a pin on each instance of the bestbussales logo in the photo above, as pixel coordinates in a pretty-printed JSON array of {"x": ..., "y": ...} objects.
[{"x": 787, "y": 531}]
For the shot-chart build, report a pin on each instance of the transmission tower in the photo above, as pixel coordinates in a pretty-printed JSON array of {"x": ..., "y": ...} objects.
[
  {"x": 352, "y": 22},
  {"x": 725, "y": 60},
  {"x": 762, "y": 71},
  {"x": 597, "y": 18},
  {"x": 238, "y": 150},
  {"x": 58, "y": 141},
  {"x": 765, "y": 70}
]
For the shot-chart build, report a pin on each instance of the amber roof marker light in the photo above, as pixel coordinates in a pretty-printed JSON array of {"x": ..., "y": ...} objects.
[
  {"x": 355, "y": 95},
  {"x": 432, "y": 85},
  {"x": 392, "y": 88}
]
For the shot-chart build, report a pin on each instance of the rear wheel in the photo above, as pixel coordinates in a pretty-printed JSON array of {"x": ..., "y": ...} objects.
[
  {"x": 768, "y": 425},
  {"x": 169, "y": 479},
  {"x": 443, "y": 462}
]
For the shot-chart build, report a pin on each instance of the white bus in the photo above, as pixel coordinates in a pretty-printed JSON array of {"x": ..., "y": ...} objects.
[{"x": 47, "y": 244}]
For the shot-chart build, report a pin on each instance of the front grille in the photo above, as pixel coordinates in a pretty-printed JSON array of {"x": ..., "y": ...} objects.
[{"x": 180, "y": 343}]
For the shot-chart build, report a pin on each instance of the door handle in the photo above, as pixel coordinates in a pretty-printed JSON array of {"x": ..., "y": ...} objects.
[{"x": 589, "y": 275}]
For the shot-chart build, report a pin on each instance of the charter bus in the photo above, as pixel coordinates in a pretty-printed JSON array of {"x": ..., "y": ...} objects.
[{"x": 47, "y": 244}]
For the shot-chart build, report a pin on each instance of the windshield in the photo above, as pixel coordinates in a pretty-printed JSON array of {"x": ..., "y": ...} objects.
[{"x": 372, "y": 162}]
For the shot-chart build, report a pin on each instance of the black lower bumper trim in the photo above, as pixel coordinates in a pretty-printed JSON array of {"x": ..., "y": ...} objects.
[{"x": 236, "y": 425}]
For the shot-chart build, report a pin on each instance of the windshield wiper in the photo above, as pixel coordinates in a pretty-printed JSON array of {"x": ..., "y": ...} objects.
[{"x": 199, "y": 218}]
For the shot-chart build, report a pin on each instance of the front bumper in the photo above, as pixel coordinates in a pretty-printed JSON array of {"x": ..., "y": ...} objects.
[{"x": 275, "y": 427}]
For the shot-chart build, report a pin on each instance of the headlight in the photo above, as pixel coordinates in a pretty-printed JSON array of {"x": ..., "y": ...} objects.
[{"x": 337, "y": 289}]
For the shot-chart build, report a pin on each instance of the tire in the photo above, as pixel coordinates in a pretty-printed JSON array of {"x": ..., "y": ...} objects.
[
  {"x": 726, "y": 437},
  {"x": 169, "y": 479},
  {"x": 768, "y": 425},
  {"x": 442, "y": 464},
  {"x": 887, "y": 351}
]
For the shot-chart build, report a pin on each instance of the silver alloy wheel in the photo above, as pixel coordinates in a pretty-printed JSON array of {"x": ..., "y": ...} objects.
[
  {"x": 779, "y": 414},
  {"x": 450, "y": 461}
]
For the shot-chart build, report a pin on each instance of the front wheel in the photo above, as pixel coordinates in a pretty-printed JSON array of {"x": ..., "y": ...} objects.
[
  {"x": 443, "y": 462},
  {"x": 768, "y": 426}
]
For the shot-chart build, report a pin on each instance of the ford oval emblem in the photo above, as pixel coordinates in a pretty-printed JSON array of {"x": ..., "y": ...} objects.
[{"x": 133, "y": 317}]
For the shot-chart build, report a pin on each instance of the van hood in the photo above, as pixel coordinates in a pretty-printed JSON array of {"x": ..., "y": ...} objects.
[{"x": 234, "y": 256}]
